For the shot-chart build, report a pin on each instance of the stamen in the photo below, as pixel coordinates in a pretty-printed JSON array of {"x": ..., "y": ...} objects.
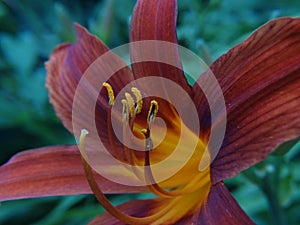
[
  {"x": 152, "y": 111},
  {"x": 128, "y": 124},
  {"x": 130, "y": 103},
  {"x": 126, "y": 219},
  {"x": 125, "y": 112},
  {"x": 110, "y": 93},
  {"x": 111, "y": 102},
  {"x": 139, "y": 100}
]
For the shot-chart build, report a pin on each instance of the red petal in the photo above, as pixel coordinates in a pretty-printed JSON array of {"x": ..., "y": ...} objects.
[
  {"x": 62, "y": 105},
  {"x": 66, "y": 66},
  {"x": 49, "y": 171},
  {"x": 192, "y": 219},
  {"x": 260, "y": 79},
  {"x": 156, "y": 20},
  {"x": 220, "y": 208},
  {"x": 138, "y": 208}
]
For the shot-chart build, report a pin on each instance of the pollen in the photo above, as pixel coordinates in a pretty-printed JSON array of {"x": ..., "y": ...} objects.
[
  {"x": 139, "y": 100},
  {"x": 110, "y": 93},
  {"x": 130, "y": 103}
]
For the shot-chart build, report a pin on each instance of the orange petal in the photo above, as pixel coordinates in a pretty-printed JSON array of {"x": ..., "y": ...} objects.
[
  {"x": 260, "y": 79},
  {"x": 50, "y": 171},
  {"x": 67, "y": 64}
]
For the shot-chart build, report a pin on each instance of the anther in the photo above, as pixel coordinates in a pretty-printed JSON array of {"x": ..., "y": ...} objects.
[
  {"x": 110, "y": 93},
  {"x": 146, "y": 132},
  {"x": 139, "y": 100},
  {"x": 130, "y": 103},
  {"x": 149, "y": 142},
  {"x": 152, "y": 111}
]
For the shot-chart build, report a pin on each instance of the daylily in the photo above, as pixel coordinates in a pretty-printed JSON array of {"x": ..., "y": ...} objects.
[{"x": 260, "y": 80}]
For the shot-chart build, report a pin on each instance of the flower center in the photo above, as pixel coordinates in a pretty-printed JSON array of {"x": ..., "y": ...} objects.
[{"x": 180, "y": 194}]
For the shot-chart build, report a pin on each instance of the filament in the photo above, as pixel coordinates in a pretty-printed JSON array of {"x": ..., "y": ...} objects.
[{"x": 111, "y": 97}]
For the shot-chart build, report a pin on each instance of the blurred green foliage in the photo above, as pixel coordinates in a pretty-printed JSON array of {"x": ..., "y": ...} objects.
[{"x": 30, "y": 29}]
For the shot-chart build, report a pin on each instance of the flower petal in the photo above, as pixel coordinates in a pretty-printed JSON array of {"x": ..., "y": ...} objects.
[
  {"x": 50, "y": 171},
  {"x": 158, "y": 210},
  {"x": 260, "y": 79},
  {"x": 220, "y": 208},
  {"x": 67, "y": 64},
  {"x": 156, "y": 20},
  {"x": 138, "y": 208},
  {"x": 62, "y": 105}
]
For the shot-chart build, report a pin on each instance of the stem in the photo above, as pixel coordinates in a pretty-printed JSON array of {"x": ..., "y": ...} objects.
[
  {"x": 270, "y": 187},
  {"x": 275, "y": 209}
]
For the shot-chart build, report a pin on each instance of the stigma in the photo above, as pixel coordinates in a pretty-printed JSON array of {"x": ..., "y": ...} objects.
[{"x": 82, "y": 137}]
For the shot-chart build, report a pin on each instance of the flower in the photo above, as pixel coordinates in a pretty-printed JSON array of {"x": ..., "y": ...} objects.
[{"x": 260, "y": 79}]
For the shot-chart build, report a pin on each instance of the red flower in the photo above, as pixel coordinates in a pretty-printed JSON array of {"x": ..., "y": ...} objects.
[{"x": 260, "y": 80}]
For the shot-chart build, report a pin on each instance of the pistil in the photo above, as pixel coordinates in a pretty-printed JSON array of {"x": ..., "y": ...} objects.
[{"x": 126, "y": 219}]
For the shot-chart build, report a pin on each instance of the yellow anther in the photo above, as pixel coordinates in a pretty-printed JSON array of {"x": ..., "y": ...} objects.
[
  {"x": 152, "y": 111},
  {"x": 110, "y": 93},
  {"x": 144, "y": 132},
  {"x": 149, "y": 142},
  {"x": 130, "y": 103},
  {"x": 139, "y": 100},
  {"x": 125, "y": 110}
]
